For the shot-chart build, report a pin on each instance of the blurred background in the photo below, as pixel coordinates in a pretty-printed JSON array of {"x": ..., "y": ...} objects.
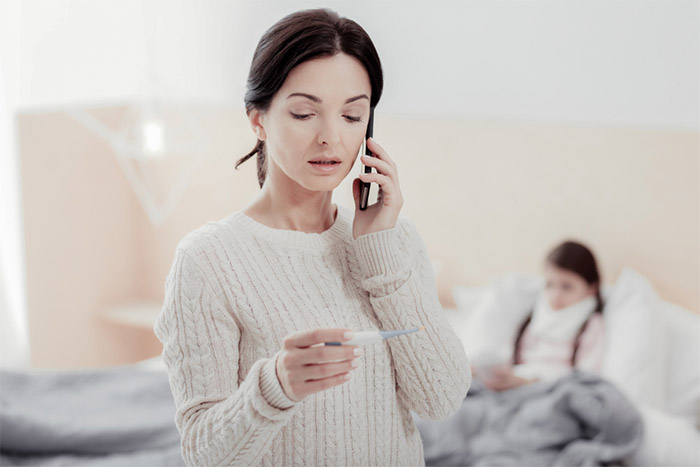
[{"x": 515, "y": 124}]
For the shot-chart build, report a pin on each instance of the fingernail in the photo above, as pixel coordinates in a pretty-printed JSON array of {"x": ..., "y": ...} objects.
[
  {"x": 348, "y": 335},
  {"x": 357, "y": 351},
  {"x": 354, "y": 363},
  {"x": 347, "y": 376}
]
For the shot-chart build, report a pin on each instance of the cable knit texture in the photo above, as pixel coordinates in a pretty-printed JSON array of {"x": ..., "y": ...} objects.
[{"x": 237, "y": 288}]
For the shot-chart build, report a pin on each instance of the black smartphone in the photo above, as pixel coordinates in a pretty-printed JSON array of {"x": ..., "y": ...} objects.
[{"x": 364, "y": 187}]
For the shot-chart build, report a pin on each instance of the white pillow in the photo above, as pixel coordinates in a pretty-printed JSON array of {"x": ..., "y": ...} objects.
[
  {"x": 635, "y": 340},
  {"x": 468, "y": 297},
  {"x": 493, "y": 316},
  {"x": 668, "y": 441},
  {"x": 683, "y": 362}
]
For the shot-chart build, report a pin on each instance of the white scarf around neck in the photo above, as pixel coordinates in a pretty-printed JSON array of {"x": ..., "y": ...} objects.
[{"x": 562, "y": 324}]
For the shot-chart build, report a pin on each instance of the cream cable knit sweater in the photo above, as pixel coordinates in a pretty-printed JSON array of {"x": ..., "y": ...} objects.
[{"x": 237, "y": 288}]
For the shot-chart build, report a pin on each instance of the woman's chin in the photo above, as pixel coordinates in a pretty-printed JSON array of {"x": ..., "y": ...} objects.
[{"x": 327, "y": 183}]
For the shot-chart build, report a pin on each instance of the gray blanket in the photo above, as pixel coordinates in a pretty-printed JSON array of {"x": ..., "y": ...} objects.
[
  {"x": 579, "y": 419},
  {"x": 103, "y": 417}
]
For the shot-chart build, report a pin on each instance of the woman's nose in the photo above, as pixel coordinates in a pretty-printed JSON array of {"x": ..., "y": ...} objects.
[{"x": 329, "y": 133}]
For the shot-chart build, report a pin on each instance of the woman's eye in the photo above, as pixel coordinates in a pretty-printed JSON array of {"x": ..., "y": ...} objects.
[
  {"x": 300, "y": 116},
  {"x": 353, "y": 119}
]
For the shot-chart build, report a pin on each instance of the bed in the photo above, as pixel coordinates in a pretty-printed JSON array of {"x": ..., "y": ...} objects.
[
  {"x": 125, "y": 415},
  {"x": 651, "y": 359},
  {"x": 118, "y": 416},
  {"x": 577, "y": 420}
]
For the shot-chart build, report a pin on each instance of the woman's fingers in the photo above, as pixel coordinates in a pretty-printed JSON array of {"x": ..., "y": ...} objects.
[
  {"x": 384, "y": 213},
  {"x": 327, "y": 370},
  {"x": 327, "y": 353},
  {"x": 381, "y": 179},
  {"x": 383, "y": 167},
  {"x": 379, "y": 152},
  {"x": 326, "y": 383},
  {"x": 390, "y": 195},
  {"x": 386, "y": 175},
  {"x": 305, "y": 365},
  {"x": 316, "y": 336},
  {"x": 300, "y": 380}
]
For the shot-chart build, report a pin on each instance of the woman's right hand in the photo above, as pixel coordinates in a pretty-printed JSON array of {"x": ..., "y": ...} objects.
[
  {"x": 305, "y": 367},
  {"x": 502, "y": 378}
]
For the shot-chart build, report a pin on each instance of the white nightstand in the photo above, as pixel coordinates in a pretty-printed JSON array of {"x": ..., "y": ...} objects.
[{"x": 137, "y": 314}]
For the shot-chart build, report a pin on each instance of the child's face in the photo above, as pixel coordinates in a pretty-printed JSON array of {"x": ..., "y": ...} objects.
[
  {"x": 320, "y": 112},
  {"x": 564, "y": 287}
]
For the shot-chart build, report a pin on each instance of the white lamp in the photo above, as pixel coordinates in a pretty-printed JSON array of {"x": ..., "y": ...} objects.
[{"x": 159, "y": 147}]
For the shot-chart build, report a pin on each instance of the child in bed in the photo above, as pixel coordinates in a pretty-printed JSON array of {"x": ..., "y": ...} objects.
[{"x": 565, "y": 329}]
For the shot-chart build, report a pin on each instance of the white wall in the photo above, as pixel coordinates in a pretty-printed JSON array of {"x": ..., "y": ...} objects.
[
  {"x": 621, "y": 62},
  {"x": 14, "y": 346}
]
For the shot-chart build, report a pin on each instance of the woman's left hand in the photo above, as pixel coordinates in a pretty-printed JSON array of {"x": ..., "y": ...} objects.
[{"x": 383, "y": 214}]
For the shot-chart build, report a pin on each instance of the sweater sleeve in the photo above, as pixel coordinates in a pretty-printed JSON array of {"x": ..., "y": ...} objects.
[
  {"x": 432, "y": 369},
  {"x": 220, "y": 421}
]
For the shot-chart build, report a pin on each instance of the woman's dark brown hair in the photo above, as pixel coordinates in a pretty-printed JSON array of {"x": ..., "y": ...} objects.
[
  {"x": 294, "y": 39},
  {"x": 577, "y": 258}
]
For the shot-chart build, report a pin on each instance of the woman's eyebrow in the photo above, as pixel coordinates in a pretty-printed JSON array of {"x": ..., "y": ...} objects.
[
  {"x": 356, "y": 98},
  {"x": 318, "y": 99}
]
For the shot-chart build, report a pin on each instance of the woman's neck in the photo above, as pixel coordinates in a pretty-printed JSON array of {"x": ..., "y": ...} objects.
[{"x": 288, "y": 206}]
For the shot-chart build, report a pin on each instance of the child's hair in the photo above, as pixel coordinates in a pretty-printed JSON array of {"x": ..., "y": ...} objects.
[
  {"x": 295, "y": 39},
  {"x": 577, "y": 258}
]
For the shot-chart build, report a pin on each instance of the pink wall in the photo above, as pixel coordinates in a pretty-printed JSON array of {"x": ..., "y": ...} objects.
[
  {"x": 81, "y": 233},
  {"x": 488, "y": 198}
]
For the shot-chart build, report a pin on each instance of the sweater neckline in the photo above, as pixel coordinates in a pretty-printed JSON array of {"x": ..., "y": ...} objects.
[{"x": 338, "y": 231}]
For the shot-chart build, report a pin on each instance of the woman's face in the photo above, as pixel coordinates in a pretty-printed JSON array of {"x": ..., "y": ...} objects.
[
  {"x": 316, "y": 122},
  {"x": 564, "y": 287}
]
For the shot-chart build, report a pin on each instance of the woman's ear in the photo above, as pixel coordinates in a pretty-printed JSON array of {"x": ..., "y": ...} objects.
[{"x": 256, "y": 123}]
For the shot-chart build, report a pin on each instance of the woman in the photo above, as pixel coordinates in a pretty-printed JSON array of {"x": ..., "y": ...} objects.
[
  {"x": 250, "y": 299},
  {"x": 565, "y": 330}
]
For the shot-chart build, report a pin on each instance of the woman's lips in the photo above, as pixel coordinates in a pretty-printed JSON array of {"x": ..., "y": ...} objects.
[{"x": 325, "y": 167}]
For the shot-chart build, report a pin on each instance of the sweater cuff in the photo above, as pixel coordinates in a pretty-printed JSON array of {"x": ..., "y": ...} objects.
[
  {"x": 378, "y": 253},
  {"x": 271, "y": 388}
]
